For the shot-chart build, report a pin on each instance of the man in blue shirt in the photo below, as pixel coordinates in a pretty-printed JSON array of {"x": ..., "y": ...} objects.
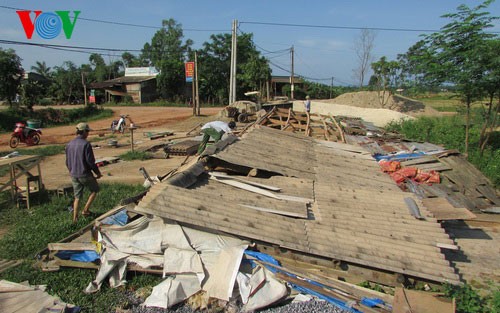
[{"x": 80, "y": 162}]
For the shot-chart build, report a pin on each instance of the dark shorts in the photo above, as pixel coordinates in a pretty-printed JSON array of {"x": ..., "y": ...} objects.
[{"x": 79, "y": 184}]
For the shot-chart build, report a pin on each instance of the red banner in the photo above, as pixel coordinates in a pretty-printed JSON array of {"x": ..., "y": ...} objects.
[{"x": 189, "y": 71}]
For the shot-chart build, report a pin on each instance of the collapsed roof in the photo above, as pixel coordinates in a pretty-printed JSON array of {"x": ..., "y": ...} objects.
[{"x": 334, "y": 202}]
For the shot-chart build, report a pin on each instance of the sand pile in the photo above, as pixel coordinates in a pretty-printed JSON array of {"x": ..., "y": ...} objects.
[{"x": 370, "y": 99}]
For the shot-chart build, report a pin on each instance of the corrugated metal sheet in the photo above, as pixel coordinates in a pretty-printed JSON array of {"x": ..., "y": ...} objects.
[{"x": 359, "y": 215}]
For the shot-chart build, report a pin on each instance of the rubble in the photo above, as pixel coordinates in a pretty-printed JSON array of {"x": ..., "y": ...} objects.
[{"x": 314, "y": 204}]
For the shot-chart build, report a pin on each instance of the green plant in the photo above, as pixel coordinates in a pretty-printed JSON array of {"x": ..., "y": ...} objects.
[
  {"x": 493, "y": 302},
  {"x": 135, "y": 155},
  {"x": 372, "y": 286},
  {"x": 450, "y": 132},
  {"x": 467, "y": 299},
  {"x": 50, "y": 222},
  {"x": 42, "y": 151}
]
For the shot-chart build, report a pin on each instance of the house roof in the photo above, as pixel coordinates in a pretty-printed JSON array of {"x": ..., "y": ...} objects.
[
  {"x": 357, "y": 213},
  {"x": 121, "y": 81}
]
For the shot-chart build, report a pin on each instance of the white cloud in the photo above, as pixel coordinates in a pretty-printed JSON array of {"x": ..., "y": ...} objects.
[
  {"x": 13, "y": 33},
  {"x": 307, "y": 42}
]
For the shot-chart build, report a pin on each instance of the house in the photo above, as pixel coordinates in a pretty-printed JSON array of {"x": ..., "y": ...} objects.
[
  {"x": 138, "y": 86},
  {"x": 278, "y": 82}
]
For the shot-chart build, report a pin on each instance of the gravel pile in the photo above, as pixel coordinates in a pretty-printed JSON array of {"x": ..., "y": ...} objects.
[{"x": 312, "y": 306}]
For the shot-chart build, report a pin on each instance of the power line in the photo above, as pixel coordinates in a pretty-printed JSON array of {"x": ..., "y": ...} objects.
[
  {"x": 349, "y": 27},
  {"x": 44, "y": 45},
  {"x": 126, "y": 24}
]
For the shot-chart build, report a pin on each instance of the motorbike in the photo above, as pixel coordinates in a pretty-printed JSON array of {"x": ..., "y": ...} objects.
[
  {"x": 119, "y": 125},
  {"x": 24, "y": 134}
]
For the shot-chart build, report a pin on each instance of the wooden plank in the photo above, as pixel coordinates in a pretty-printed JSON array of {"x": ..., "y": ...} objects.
[
  {"x": 248, "y": 187},
  {"x": 225, "y": 176},
  {"x": 285, "y": 213},
  {"x": 415, "y": 301},
  {"x": 71, "y": 246},
  {"x": 489, "y": 193},
  {"x": 443, "y": 210}
]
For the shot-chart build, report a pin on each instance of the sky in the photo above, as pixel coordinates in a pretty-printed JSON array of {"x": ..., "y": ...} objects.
[{"x": 320, "y": 53}]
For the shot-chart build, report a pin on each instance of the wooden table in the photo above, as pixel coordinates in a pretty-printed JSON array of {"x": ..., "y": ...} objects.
[{"x": 17, "y": 167}]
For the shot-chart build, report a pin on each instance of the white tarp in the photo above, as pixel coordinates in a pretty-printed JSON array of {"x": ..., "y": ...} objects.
[{"x": 212, "y": 259}]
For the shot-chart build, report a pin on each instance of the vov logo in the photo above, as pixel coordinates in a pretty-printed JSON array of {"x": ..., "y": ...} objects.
[{"x": 48, "y": 25}]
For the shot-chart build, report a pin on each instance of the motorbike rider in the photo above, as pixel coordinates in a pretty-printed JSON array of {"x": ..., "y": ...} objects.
[{"x": 80, "y": 162}]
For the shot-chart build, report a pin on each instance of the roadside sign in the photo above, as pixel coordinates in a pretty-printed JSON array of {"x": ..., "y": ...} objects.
[{"x": 189, "y": 71}]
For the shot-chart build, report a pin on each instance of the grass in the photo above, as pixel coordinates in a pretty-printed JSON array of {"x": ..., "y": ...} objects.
[
  {"x": 135, "y": 155},
  {"x": 30, "y": 232},
  {"x": 42, "y": 151},
  {"x": 450, "y": 132},
  {"x": 445, "y": 102}
]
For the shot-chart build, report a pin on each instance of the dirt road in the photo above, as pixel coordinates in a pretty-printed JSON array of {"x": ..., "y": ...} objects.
[
  {"x": 143, "y": 117},
  {"x": 147, "y": 119}
]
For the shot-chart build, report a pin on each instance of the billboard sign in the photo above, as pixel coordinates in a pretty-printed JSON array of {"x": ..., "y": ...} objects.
[{"x": 189, "y": 71}]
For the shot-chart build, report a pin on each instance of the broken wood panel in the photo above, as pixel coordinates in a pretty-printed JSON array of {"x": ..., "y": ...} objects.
[
  {"x": 391, "y": 240},
  {"x": 286, "y": 156},
  {"x": 72, "y": 246},
  {"x": 380, "y": 231},
  {"x": 224, "y": 210},
  {"x": 369, "y": 195},
  {"x": 403, "y": 266},
  {"x": 345, "y": 147},
  {"x": 259, "y": 161},
  {"x": 381, "y": 224},
  {"x": 433, "y": 264},
  {"x": 443, "y": 210},
  {"x": 422, "y": 160},
  {"x": 6, "y": 264},
  {"x": 219, "y": 222},
  {"x": 489, "y": 193},
  {"x": 406, "y": 300},
  {"x": 438, "y": 167},
  {"x": 430, "y": 259},
  {"x": 226, "y": 200}
]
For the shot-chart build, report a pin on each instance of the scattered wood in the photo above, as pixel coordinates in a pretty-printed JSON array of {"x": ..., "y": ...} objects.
[
  {"x": 415, "y": 301},
  {"x": 443, "y": 210}
]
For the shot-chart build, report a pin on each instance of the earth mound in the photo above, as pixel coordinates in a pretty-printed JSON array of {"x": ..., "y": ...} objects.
[{"x": 372, "y": 99}]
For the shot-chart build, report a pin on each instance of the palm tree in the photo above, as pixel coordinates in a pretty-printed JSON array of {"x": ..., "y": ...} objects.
[{"x": 41, "y": 68}]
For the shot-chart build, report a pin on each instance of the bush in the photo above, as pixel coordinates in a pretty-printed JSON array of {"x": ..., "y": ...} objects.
[
  {"x": 467, "y": 299},
  {"x": 450, "y": 132}
]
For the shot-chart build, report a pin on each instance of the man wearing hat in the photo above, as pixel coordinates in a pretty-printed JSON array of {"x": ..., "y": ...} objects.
[{"x": 80, "y": 162}]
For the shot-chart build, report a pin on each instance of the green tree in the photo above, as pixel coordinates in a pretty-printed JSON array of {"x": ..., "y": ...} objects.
[
  {"x": 67, "y": 82},
  {"x": 41, "y": 68},
  {"x": 214, "y": 63},
  {"x": 130, "y": 60},
  {"x": 98, "y": 65},
  {"x": 491, "y": 85},
  {"x": 167, "y": 53},
  {"x": 387, "y": 75},
  {"x": 454, "y": 55},
  {"x": 11, "y": 73}
]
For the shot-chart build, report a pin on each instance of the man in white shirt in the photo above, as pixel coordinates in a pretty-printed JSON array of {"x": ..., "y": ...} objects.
[{"x": 214, "y": 130}]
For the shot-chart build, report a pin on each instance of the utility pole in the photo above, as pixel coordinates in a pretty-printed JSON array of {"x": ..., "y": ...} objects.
[
  {"x": 196, "y": 83},
  {"x": 292, "y": 77},
  {"x": 234, "y": 48},
  {"x": 331, "y": 88},
  {"x": 84, "y": 90}
]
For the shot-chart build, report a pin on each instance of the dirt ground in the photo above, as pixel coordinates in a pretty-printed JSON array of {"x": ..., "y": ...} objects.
[{"x": 146, "y": 119}]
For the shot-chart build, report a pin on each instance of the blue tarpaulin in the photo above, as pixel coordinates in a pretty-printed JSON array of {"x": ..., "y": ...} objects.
[
  {"x": 269, "y": 259},
  {"x": 398, "y": 156},
  {"x": 119, "y": 218},
  {"x": 80, "y": 256}
]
